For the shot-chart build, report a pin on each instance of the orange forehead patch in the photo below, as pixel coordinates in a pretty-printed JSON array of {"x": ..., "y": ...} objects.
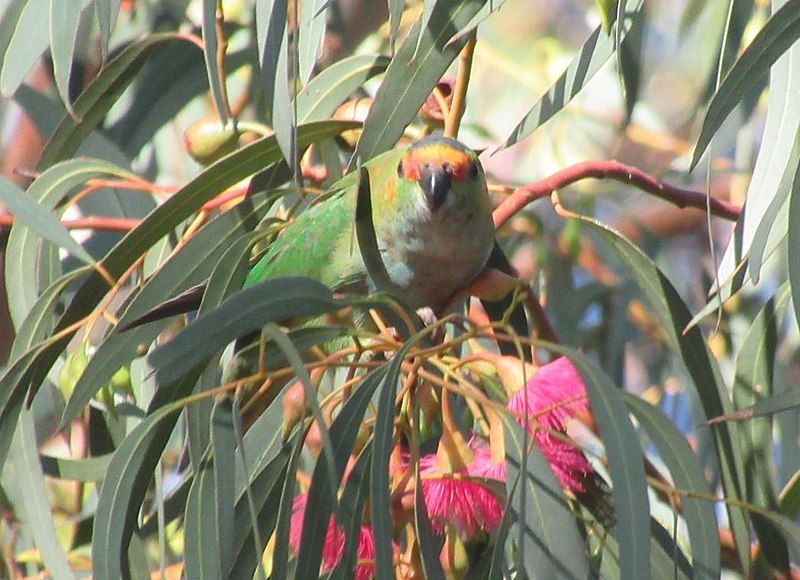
[{"x": 436, "y": 154}]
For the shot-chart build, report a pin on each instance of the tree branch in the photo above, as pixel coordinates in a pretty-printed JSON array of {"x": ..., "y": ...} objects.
[
  {"x": 92, "y": 222},
  {"x": 526, "y": 194}
]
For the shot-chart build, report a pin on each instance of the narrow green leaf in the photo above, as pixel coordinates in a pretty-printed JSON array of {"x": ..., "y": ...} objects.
[
  {"x": 210, "y": 505},
  {"x": 326, "y": 91},
  {"x": 87, "y": 470},
  {"x": 754, "y": 381},
  {"x": 124, "y": 487},
  {"x": 211, "y": 42},
  {"x": 411, "y": 76},
  {"x": 273, "y": 49},
  {"x": 107, "y": 12},
  {"x": 383, "y": 435},
  {"x": 766, "y": 190},
  {"x": 39, "y": 200},
  {"x": 27, "y": 43},
  {"x": 40, "y": 320},
  {"x": 548, "y": 543},
  {"x": 321, "y": 498},
  {"x": 265, "y": 490},
  {"x": 396, "y": 8},
  {"x": 64, "y": 19},
  {"x": 172, "y": 77},
  {"x": 12, "y": 10},
  {"x": 35, "y": 506},
  {"x": 351, "y": 511},
  {"x": 429, "y": 548},
  {"x": 246, "y": 312},
  {"x": 280, "y": 555},
  {"x": 99, "y": 96},
  {"x": 194, "y": 263},
  {"x": 223, "y": 444},
  {"x": 47, "y": 113},
  {"x": 688, "y": 477},
  {"x": 313, "y": 15},
  {"x": 625, "y": 464},
  {"x": 778, "y": 34},
  {"x": 37, "y": 218},
  {"x": 770, "y": 406},
  {"x": 793, "y": 238},
  {"x": 673, "y": 315},
  {"x": 226, "y": 172},
  {"x": 593, "y": 55}
]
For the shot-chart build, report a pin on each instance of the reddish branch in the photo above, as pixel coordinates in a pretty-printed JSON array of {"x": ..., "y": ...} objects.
[
  {"x": 518, "y": 199},
  {"x": 92, "y": 222},
  {"x": 526, "y": 194}
]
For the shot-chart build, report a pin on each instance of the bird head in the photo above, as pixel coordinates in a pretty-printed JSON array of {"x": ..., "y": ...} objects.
[{"x": 444, "y": 169}]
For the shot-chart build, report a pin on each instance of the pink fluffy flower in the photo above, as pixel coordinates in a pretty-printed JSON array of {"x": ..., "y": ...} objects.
[
  {"x": 553, "y": 396},
  {"x": 333, "y": 547},
  {"x": 454, "y": 498}
]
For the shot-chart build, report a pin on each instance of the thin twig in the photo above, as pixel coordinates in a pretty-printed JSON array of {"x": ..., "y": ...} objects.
[
  {"x": 453, "y": 120},
  {"x": 526, "y": 194},
  {"x": 222, "y": 48},
  {"x": 92, "y": 222}
]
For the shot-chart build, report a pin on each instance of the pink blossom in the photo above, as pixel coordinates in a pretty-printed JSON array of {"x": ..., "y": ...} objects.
[
  {"x": 454, "y": 498},
  {"x": 333, "y": 548},
  {"x": 482, "y": 463},
  {"x": 553, "y": 396}
]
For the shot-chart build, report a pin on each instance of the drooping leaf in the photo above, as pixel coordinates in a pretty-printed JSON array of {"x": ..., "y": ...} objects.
[
  {"x": 688, "y": 476},
  {"x": 211, "y": 42},
  {"x": 26, "y": 43},
  {"x": 381, "y": 518},
  {"x": 593, "y": 55},
  {"x": 124, "y": 487},
  {"x": 64, "y": 19},
  {"x": 99, "y": 96},
  {"x": 778, "y": 34},
  {"x": 312, "y": 30},
  {"x": 193, "y": 264},
  {"x": 625, "y": 463},
  {"x": 321, "y": 498},
  {"x": 210, "y": 506},
  {"x": 547, "y": 540},
  {"x": 247, "y": 311},
  {"x": 273, "y": 53},
  {"x": 326, "y": 91},
  {"x": 673, "y": 315},
  {"x": 37, "y": 218},
  {"x": 35, "y": 507},
  {"x": 411, "y": 76},
  {"x": 753, "y": 382}
]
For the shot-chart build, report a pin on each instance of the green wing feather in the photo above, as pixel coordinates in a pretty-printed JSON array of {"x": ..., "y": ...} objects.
[{"x": 321, "y": 243}]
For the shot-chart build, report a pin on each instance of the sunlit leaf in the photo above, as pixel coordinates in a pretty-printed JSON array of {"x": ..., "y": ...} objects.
[
  {"x": 312, "y": 30},
  {"x": 688, "y": 476},
  {"x": 593, "y": 55},
  {"x": 411, "y": 76},
  {"x": 778, "y": 34}
]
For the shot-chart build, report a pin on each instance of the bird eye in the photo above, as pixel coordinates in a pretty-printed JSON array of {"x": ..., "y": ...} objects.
[
  {"x": 473, "y": 170},
  {"x": 400, "y": 169}
]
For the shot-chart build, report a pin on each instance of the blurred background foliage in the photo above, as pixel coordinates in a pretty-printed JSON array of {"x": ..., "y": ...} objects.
[{"x": 132, "y": 130}]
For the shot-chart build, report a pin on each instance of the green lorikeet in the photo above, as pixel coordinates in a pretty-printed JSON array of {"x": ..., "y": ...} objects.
[{"x": 433, "y": 226}]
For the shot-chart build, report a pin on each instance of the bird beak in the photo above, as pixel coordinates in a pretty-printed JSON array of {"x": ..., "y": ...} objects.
[{"x": 436, "y": 183}]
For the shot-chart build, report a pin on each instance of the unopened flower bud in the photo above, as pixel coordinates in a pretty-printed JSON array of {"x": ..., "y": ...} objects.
[{"x": 207, "y": 140}]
